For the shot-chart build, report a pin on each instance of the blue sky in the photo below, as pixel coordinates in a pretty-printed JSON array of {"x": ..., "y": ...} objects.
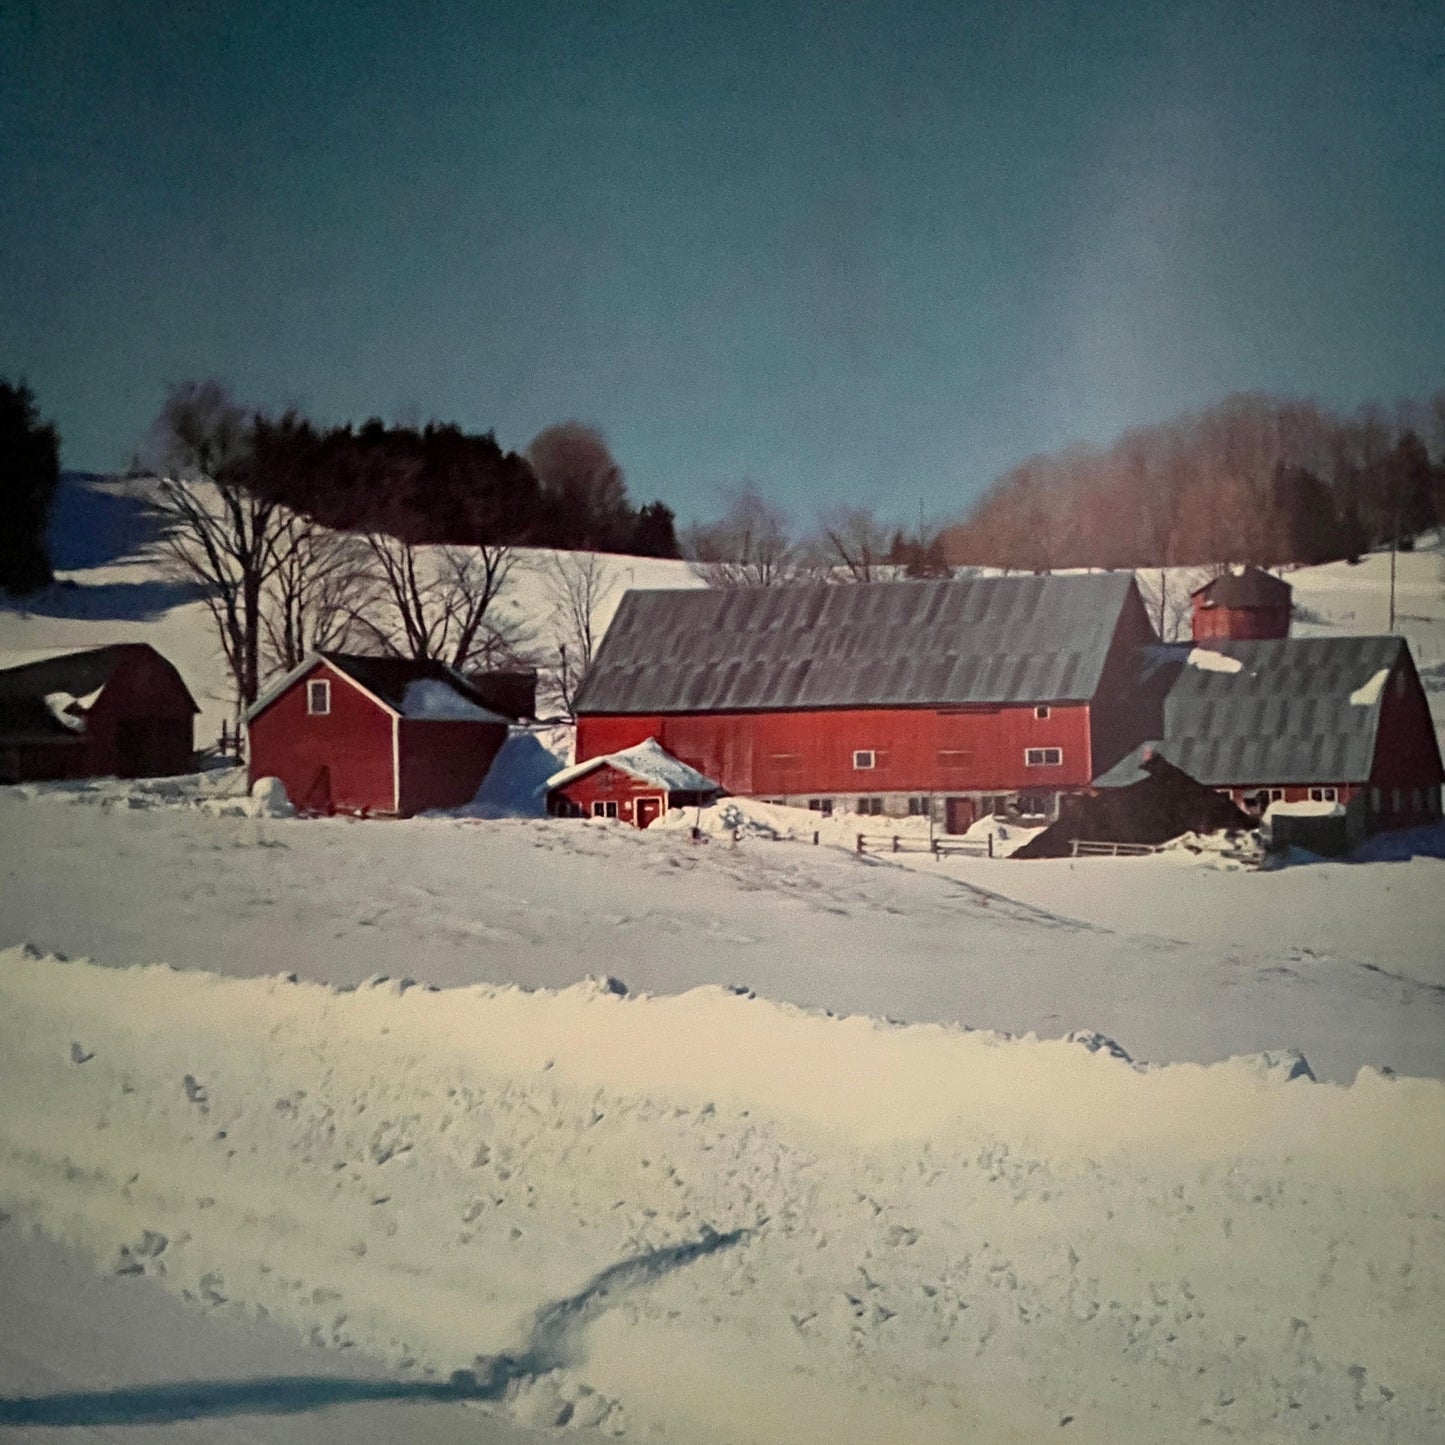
[{"x": 852, "y": 252}]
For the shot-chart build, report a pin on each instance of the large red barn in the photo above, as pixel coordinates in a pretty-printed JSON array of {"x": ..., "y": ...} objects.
[
  {"x": 119, "y": 710},
  {"x": 957, "y": 697},
  {"x": 373, "y": 736}
]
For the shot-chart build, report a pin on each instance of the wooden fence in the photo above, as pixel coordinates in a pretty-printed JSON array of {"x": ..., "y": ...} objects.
[{"x": 939, "y": 847}]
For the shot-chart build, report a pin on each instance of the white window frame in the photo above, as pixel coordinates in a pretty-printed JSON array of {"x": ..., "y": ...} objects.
[
  {"x": 604, "y": 808},
  {"x": 870, "y": 806},
  {"x": 312, "y": 693},
  {"x": 1039, "y": 758},
  {"x": 859, "y": 754},
  {"x": 1324, "y": 795},
  {"x": 1041, "y": 712}
]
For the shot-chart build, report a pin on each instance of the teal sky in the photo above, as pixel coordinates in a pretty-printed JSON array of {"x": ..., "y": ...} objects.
[{"x": 869, "y": 253}]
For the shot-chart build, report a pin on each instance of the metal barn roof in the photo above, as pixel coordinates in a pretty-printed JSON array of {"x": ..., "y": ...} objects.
[
  {"x": 1283, "y": 710},
  {"x": 961, "y": 641}
]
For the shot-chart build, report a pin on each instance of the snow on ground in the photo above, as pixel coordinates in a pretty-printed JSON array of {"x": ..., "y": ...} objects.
[
  {"x": 1176, "y": 962},
  {"x": 712, "y": 1218}
]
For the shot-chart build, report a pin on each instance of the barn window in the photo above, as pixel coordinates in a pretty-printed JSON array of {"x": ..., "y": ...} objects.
[
  {"x": 604, "y": 808},
  {"x": 821, "y": 805},
  {"x": 865, "y": 758},
  {"x": 918, "y": 807},
  {"x": 1323, "y": 795},
  {"x": 1043, "y": 757},
  {"x": 318, "y": 698},
  {"x": 1041, "y": 712},
  {"x": 872, "y": 807}
]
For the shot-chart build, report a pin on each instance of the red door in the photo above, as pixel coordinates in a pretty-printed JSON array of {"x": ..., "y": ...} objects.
[
  {"x": 649, "y": 810},
  {"x": 959, "y": 815}
]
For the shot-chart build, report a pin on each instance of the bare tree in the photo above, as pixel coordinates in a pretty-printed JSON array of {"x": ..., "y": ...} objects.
[
  {"x": 752, "y": 545},
  {"x": 322, "y": 583},
  {"x": 1168, "y": 594},
  {"x": 436, "y": 601},
  {"x": 580, "y": 476},
  {"x": 579, "y": 585},
  {"x": 219, "y": 532},
  {"x": 854, "y": 540}
]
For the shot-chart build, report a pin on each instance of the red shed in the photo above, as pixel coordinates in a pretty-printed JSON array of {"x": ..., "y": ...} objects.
[
  {"x": 373, "y": 735},
  {"x": 958, "y": 697},
  {"x": 637, "y": 786},
  {"x": 120, "y": 709}
]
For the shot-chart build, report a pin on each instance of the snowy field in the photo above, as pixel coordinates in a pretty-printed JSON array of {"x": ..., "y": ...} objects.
[{"x": 828, "y": 1168}]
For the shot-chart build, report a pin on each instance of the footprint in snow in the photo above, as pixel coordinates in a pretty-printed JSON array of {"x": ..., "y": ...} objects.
[{"x": 79, "y": 1055}]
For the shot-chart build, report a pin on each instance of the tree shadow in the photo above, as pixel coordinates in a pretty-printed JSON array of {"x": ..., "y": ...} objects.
[
  {"x": 550, "y": 1345},
  {"x": 93, "y": 523}
]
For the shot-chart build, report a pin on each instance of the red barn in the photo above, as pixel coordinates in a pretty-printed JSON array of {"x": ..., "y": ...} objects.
[
  {"x": 120, "y": 709},
  {"x": 373, "y": 735},
  {"x": 961, "y": 696},
  {"x": 637, "y": 786}
]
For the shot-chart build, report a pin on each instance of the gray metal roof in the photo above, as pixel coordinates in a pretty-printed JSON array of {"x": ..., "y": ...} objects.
[
  {"x": 1286, "y": 716},
  {"x": 1250, "y": 587},
  {"x": 878, "y": 644}
]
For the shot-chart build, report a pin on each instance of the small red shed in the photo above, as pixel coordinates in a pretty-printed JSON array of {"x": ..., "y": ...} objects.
[
  {"x": 119, "y": 710},
  {"x": 637, "y": 785},
  {"x": 383, "y": 736}
]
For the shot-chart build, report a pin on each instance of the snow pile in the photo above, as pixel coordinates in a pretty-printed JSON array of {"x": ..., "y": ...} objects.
[
  {"x": 1368, "y": 693},
  {"x": 1231, "y": 851},
  {"x": 431, "y": 698},
  {"x": 710, "y": 1216},
  {"x": 515, "y": 785},
  {"x": 1305, "y": 808},
  {"x": 1206, "y": 659}
]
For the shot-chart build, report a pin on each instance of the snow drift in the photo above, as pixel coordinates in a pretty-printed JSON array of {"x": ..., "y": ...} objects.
[{"x": 723, "y": 1219}]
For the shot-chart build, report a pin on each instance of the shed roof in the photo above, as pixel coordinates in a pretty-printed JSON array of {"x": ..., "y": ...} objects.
[
  {"x": 1279, "y": 710},
  {"x": 967, "y": 640},
  {"x": 647, "y": 761},
  {"x": 32, "y": 685},
  {"x": 1248, "y": 587},
  {"x": 387, "y": 680}
]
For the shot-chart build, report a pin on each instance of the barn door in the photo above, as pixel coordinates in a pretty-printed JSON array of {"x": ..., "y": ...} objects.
[
  {"x": 649, "y": 810},
  {"x": 959, "y": 815}
]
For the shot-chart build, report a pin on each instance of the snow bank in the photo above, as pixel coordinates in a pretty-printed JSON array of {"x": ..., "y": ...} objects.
[
  {"x": 711, "y": 1217},
  {"x": 1305, "y": 808},
  {"x": 1206, "y": 659},
  {"x": 515, "y": 783}
]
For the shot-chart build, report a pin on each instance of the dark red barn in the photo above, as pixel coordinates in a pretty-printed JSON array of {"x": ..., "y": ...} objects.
[
  {"x": 373, "y": 735},
  {"x": 962, "y": 696},
  {"x": 119, "y": 710}
]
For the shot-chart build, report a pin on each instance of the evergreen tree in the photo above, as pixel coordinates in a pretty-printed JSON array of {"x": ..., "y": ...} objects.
[{"x": 29, "y": 475}]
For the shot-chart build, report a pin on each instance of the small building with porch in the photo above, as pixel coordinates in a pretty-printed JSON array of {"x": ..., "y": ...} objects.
[
  {"x": 636, "y": 785},
  {"x": 373, "y": 736},
  {"x": 120, "y": 710}
]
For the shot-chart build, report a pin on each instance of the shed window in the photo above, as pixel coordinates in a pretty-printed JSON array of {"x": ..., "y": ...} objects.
[
  {"x": 1043, "y": 757},
  {"x": 872, "y": 807},
  {"x": 318, "y": 698},
  {"x": 604, "y": 808},
  {"x": 1323, "y": 795},
  {"x": 1041, "y": 712},
  {"x": 865, "y": 758}
]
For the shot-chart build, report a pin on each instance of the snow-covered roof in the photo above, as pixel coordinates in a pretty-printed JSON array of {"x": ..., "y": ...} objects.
[
  {"x": 440, "y": 700},
  {"x": 649, "y": 762}
]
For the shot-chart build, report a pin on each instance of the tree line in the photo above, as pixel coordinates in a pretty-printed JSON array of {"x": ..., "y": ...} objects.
[{"x": 1254, "y": 479}]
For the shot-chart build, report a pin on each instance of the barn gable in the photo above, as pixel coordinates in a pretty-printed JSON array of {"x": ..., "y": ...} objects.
[{"x": 955, "y": 642}]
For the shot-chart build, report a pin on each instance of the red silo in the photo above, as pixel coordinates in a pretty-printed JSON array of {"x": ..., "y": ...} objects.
[{"x": 1243, "y": 604}]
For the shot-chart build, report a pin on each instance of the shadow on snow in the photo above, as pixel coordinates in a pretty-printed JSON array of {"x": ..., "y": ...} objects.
[{"x": 550, "y": 1345}]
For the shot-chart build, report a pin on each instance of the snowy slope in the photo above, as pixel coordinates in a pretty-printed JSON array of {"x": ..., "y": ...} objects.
[{"x": 709, "y": 1218}]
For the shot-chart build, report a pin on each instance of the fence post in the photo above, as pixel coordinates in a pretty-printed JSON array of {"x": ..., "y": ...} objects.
[
  {"x": 815, "y": 837},
  {"x": 990, "y": 845},
  {"x": 1076, "y": 847},
  {"x": 895, "y": 842},
  {"x": 860, "y": 842}
]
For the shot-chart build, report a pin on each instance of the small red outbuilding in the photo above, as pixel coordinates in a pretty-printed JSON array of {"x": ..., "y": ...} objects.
[
  {"x": 373, "y": 735},
  {"x": 119, "y": 710},
  {"x": 637, "y": 785}
]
